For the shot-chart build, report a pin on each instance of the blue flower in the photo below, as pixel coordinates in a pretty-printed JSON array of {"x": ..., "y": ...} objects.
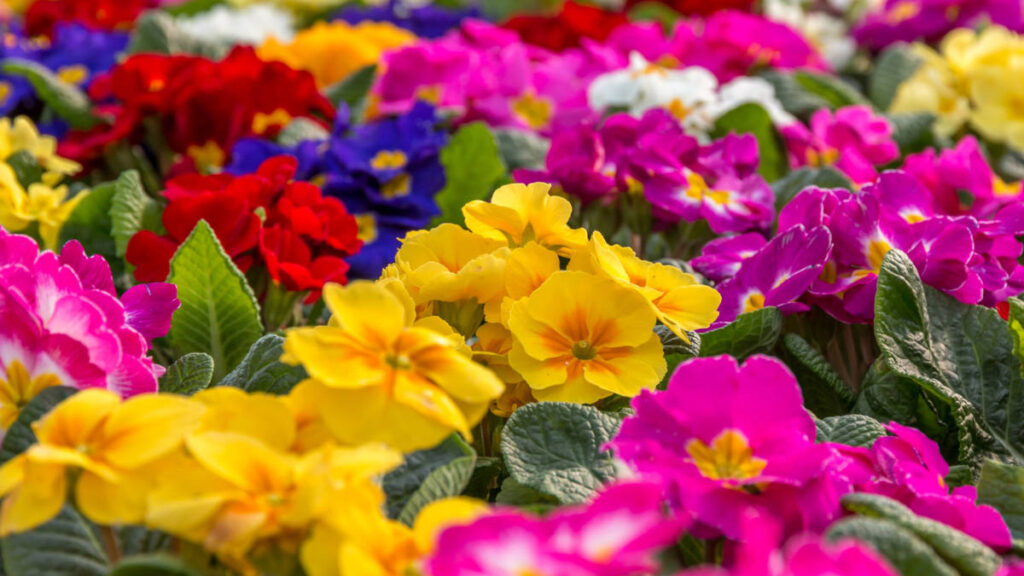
[{"x": 425, "y": 21}]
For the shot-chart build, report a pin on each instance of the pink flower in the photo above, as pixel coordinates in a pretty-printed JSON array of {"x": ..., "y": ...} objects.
[
  {"x": 728, "y": 439},
  {"x": 854, "y": 140}
]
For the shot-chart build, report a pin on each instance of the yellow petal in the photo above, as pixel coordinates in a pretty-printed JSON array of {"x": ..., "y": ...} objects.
[
  {"x": 73, "y": 422},
  {"x": 37, "y": 500},
  {"x": 263, "y": 417},
  {"x": 457, "y": 374},
  {"x": 538, "y": 373},
  {"x": 107, "y": 503},
  {"x": 427, "y": 399},
  {"x": 441, "y": 514},
  {"x": 536, "y": 337},
  {"x": 147, "y": 427},
  {"x": 372, "y": 314},
  {"x": 320, "y": 554},
  {"x": 242, "y": 461},
  {"x": 323, "y": 349},
  {"x": 627, "y": 371},
  {"x": 575, "y": 390}
]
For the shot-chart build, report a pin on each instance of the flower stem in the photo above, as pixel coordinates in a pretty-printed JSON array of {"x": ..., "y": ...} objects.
[{"x": 110, "y": 543}]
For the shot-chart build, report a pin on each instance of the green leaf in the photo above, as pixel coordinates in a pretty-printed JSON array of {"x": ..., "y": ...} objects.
[
  {"x": 885, "y": 395},
  {"x": 472, "y": 167},
  {"x": 675, "y": 346},
  {"x": 795, "y": 182},
  {"x": 445, "y": 482},
  {"x": 833, "y": 90},
  {"x": 62, "y": 546},
  {"x": 352, "y": 91},
  {"x": 892, "y": 68},
  {"x": 219, "y": 314},
  {"x": 825, "y": 393},
  {"x": 1016, "y": 324},
  {"x": 962, "y": 355},
  {"x": 402, "y": 483},
  {"x": 20, "y": 435},
  {"x": 514, "y": 493},
  {"x": 138, "y": 540},
  {"x": 65, "y": 99},
  {"x": 521, "y": 149},
  {"x": 153, "y": 565},
  {"x": 913, "y": 132},
  {"x": 262, "y": 370},
  {"x": 556, "y": 448},
  {"x": 850, "y": 429},
  {"x": 753, "y": 119},
  {"x": 188, "y": 375},
  {"x": 26, "y": 167},
  {"x": 157, "y": 32},
  {"x": 302, "y": 130},
  {"x": 191, "y": 8},
  {"x": 795, "y": 99},
  {"x": 905, "y": 552},
  {"x": 751, "y": 333},
  {"x": 1002, "y": 487},
  {"x": 130, "y": 209},
  {"x": 90, "y": 224},
  {"x": 965, "y": 554},
  {"x": 655, "y": 12}
]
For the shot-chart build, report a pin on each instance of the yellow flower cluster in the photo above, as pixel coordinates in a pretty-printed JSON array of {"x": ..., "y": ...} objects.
[
  {"x": 246, "y": 476},
  {"x": 333, "y": 51},
  {"x": 44, "y": 203},
  {"x": 553, "y": 314},
  {"x": 966, "y": 83}
]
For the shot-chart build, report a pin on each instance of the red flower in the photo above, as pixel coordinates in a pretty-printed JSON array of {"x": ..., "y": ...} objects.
[
  {"x": 43, "y": 15},
  {"x": 261, "y": 219},
  {"x": 566, "y": 29},
  {"x": 702, "y": 7},
  {"x": 1004, "y": 310}
]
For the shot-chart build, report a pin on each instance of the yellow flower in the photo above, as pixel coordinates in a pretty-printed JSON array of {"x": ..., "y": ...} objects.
[
  {"x": 110, "y": 443},
  {"x": 581, "y": 337},
  {"x": 41, "y": 204},
  {"x": 21, "y": 134},
  {"x": 527, "y": 268},
  {"x": 377, "y": 377},
  {"x": 518, "y": 214},
  {"x": 679, "y": 301},
  {"x": 933, "y": 88},
  {"x": 333, "y": 51},
  {"x": 491, "y": 349},
  {"x": 449, "y": 264},
  {"x": 17, "y": 387}
]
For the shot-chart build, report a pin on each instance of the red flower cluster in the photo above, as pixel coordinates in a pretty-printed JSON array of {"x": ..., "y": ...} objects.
[
  {"x": 204, "y": 107},
  {"x": 262, "y": 219},
  {"x": 702, "y": 7},
  {"x": 565, "y": 30},
  {"x": 43, "y": 15}
]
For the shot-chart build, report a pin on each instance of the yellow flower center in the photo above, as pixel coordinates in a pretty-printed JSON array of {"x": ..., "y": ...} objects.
[
  {"x": 367, "y": 224},
  {"x": 19, "y": 388},
  {"x": 583, "y": 350},
  {"x": 753, "y": 302},
  {"x": 261, "y": 123},
  {"x": 399, "y": 361},
  {"x": 75, "y": 74},
  {"x": 876, "y": 251},
  {"x": 5, "y": 91},
  {"x": 728, "y": 458},
  {"x": 1000, "y": 188},
  {"x": 535, "y": 111},
  {"x": 430, "y": 94},
  {"x": 826, "y": 158},
  {"x": 400, "y": 185},
  {"x": 678, "y": 110},
  {"x": 209, "y": 155},
  {"x": 389, "y": 160},
  {"x": 902, "y": 12}
]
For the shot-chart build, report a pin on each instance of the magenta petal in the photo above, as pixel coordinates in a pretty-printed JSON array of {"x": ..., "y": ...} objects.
[{"x": 149, "y": 308}]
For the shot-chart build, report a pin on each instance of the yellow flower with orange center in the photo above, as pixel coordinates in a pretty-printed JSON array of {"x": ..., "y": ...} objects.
[
  {"x": 449, "y": 264},
  {"x": 519, "y": 214}
]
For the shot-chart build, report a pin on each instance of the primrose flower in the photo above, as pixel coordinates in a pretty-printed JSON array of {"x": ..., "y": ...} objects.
[
  {"x": 43, "y": 16},
  {"x": 333, "y": 51},
  {"x": 63, "y": 325},
  {"x": 722, "y": 258},
  {"x": 424, "y": 20},
  {"x": 854, "y": 140},
  {"x": 929, "y": 20},
  {"x": 21, "y": 135},
  {"x": 250, "y": 25},
  {"x": 521, "y": 214},
  {"x": 110, "y": 443},
  {"x": 404, "y": 384},
  {"x": 677, "y": 299},
  {"x": 571, "y": 346},
  {"x": 574, "y": 22},
  {"x": 935, "y": 89},
  {"x": 728, "y": 438},
  {"x": 42, "y": 205},
  {"x": 618, "y": 533}
]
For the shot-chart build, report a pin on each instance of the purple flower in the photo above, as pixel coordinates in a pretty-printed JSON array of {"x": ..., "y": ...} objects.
[
  {"x": 425, "y": 21},
  {"x": 726, "y": 439},
  {"x": 721, "y": 258},
  {"x": 853, "y": 139},
  {"x": 62, "y": 324},
  {"x": 930, "y": 20}
]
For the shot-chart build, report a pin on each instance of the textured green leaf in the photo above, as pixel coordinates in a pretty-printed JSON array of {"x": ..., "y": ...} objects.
[
  {"x": 905, "y": 552},
  {"x": 850, "y": 429},
  {"x": 219, "y": 314},
  {"x": 965, "y": 554},
  {"x": 836, "y": 91},
  {"x": 189, "y": 374},
  {"x": 521, "y": 149},
  {"x": 402, "y": 483},
  {"x": 886, "y": 396},
  {"x": 66, "y": 100},
  {"x": 262, "y": 370},
  {"x": 1002, "y": 487},
  {"x": 556, "y": 448},
  {"x": 1016, "y": 323},
  {"x": 302, "y": 130},
  {"x": 153, "y": 565},
  {"x": 795, "y": 182},
  {"x": 444, "y": 482},
  {"x": 753, "y": 119},
  {"x": 472, "y": 167},
  {"x": 158, "y": 32},
  {"x": 129, "y": 207},
  {"x": 26, "y": 167},
  {"x": 65, "y": 545},
  {"x": 749, "y": 334},
  {"x": 961, "y": 355},
  {"x": 514, "y": 493},
  {"x": 191, "y": 7},
  {"x": 892, "y": 68},
  {"x": 20, "y": 435},
  {"x": 90, "y": 224},
  {"x": 352, "y": 91},
  {"x": 794, "y": 97},
  {"x": 138, "y": 540},
  {"x": 825, "y": 393},
  {"x": 913, "y": 132}
]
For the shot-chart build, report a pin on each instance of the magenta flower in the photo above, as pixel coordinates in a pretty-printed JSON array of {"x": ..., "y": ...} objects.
[
  {"x": 909, "y": 468},
  {"x": 930, "y": 20},
  {"x": 618, "y": 533},
  {"x": 854, "y": 139},
  {"x": 777, "y": 274},
  {"x": 63, "y": 324},
  {"x": 722, "y": 258},
  {"x": 727, "y": 439}
]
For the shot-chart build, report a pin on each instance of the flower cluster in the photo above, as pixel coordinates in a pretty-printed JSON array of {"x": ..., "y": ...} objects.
[
  {"x": 423, "y": 20},
  {"x": 909, "y": 20}
]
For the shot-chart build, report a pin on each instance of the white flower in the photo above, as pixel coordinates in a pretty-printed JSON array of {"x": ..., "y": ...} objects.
[
  {"x": 745, "y": 90},
  {"x": 829, "y": 35},
  {"x": 251, "y": 25},
  {"x": 644, "y": 86}
]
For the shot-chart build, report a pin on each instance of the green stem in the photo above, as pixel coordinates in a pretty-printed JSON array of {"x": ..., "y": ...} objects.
[{"x": 110, "y": 543}]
